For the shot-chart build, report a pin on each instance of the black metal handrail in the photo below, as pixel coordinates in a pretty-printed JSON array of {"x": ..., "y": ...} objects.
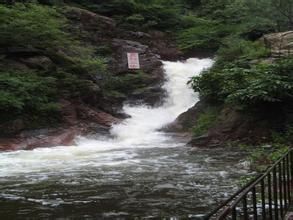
[{"x": 268, "y": 196}]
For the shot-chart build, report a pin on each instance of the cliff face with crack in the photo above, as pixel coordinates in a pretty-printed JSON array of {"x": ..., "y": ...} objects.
[{"x": 103, "y": 95}]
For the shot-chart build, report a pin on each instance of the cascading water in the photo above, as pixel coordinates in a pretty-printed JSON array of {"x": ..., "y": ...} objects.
[
  {"x": 139, "y": 172},
  {"x": 142, "y": 127}
]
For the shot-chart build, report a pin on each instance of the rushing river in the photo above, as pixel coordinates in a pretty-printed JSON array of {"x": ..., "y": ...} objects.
[{"x": 137, "y": 171}]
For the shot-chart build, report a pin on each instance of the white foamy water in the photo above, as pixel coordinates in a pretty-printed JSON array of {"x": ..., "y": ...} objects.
[
  {"x": 142, "y": 127},
  {"x": 139, "y": 131}
]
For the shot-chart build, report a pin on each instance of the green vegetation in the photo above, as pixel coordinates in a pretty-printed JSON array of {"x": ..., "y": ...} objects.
[
  {"x": 247, "y": 85},
  {"x": 32, "y": 25},
  {"x": 127, "y": 83},
  {"x": 213, "y": 24},
  {"x": 26, "y": 92},
  {"x": 139, "y": 14},
  {"x": 33, "y": 94},
  {"x": 243, "y": 76},
  {"x": 205, "y": 121}
]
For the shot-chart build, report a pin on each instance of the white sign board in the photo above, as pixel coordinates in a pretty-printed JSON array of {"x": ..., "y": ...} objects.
[{"x": 133, "y": 61}]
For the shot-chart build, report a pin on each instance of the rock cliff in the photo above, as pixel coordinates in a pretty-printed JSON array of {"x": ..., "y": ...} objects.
[{"x": 100, "y": 105}]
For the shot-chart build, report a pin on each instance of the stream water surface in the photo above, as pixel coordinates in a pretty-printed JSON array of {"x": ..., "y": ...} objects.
[{"x": 137, "y": 171}]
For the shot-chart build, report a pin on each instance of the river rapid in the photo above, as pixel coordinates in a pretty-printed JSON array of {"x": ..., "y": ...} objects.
[{"x": 136, "y": 171}]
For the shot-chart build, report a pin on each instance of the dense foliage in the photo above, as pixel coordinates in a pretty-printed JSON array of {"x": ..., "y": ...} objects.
[
  {"x": 244, "y": 75},
  {"x": 247, "y": 85},
  {"x": 31, "y": 25},
  {"x": 23, "y": 92},
  {"x": 33, "y": 94}
]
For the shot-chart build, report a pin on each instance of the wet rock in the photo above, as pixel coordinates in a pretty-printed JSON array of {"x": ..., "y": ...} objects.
[
  {"x": 234, "y": 126},
  {"x": 165, "y": 46},
  {"x": 99, "y": 117},
  {"x": 68, "y": 112},
  {"x": 151, "y": 93},
  {"x": 30, "y": 140},
  {"x": 185, "y": 121},
  {"x": 12, "y": 127},
  {"x": 231, "y": 126},
  {"x": 99, "y": 26},
  {"x": 148, "y": 60},
  {"x": 38, "y": 62}
]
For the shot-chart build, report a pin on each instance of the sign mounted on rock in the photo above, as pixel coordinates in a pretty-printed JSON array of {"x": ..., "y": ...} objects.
[{"x": 133, "y": 61}]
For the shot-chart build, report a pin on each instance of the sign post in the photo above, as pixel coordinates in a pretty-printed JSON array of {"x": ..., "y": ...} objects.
[{"x": 133, "y": 61}]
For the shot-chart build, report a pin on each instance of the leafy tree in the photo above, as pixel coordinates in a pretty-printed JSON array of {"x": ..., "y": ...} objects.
[
  {"x": 263, "y": 83},
  {"x": 31, "y": 25},
  {"x": 26, "y": 93},
  {"x": 284, "y": 9}
]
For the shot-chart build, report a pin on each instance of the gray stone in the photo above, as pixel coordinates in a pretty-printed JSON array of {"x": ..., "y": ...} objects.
[{"x": 281, "y": 44}]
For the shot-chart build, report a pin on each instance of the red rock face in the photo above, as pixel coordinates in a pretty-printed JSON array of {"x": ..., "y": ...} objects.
[
  {"x": 88, "y": 119},
  {"x": 62, "y": 137}
]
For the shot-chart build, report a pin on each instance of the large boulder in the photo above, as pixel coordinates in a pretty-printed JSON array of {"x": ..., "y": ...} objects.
[
  {"x": 280, "y": 44},
  {"x": 150, "y": 66},
  {"x": 89, "y": 25},
  {"x": 148, "y": 60},
  {"x": 233, "y": 125},
  {"x": 39, "y": 138},
  {"x": 185, "y": 121}
]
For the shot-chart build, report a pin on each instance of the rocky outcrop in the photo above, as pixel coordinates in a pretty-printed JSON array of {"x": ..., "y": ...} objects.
[
  {"x": 101, "y": 31},
  {"x": 185, "y": 121},
  {"x": 234, "y": 126},
  {"x": 90, "y": 26},
  {"x": 150, "y": 65},
  {"x": 231, "y": 126},
  {"x": 149, "y": 61},
  {"x": 39, "y": 138},
  {"x": 78, "y": 120},
  {"x": 280, "y": 44}
]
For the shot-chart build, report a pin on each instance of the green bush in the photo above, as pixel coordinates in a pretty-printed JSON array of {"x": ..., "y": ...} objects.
[
  {"x": 205, "y": 34},
  {"x": 205, "y": 121},
  {"x": 247, "y": 86},
  {"x": 126, "y": 84},
  {"x": 238, "y": 49},
  {"x": 31, "y": 25},
  {"x": 26, "y": 93},
  {"x": 269, "y": 83}
]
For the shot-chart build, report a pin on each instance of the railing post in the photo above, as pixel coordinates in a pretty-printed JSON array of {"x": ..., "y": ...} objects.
[
  {"x": 270, "y": 196},
  {"x": 284, "y": 183},
  {"x": 245, "y": 213},
  {"x": 263, "y": 199},
  {"x": 234, "y": 213},
  {"x": 275, "y": 191},
  {"x": 291, "y": 179},
  {"x": 291, "y": 165},
  {"x": 254, "y": 203},
  {"x": 280, "y": 189},
  {"x": 288, "y": 178}
]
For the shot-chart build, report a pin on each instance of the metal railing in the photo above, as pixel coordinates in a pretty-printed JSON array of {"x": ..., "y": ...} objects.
[{"x": 267, "y": 197}]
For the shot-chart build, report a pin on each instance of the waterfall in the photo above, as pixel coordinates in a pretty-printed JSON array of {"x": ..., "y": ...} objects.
[{"x": 139, "y": 131}]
